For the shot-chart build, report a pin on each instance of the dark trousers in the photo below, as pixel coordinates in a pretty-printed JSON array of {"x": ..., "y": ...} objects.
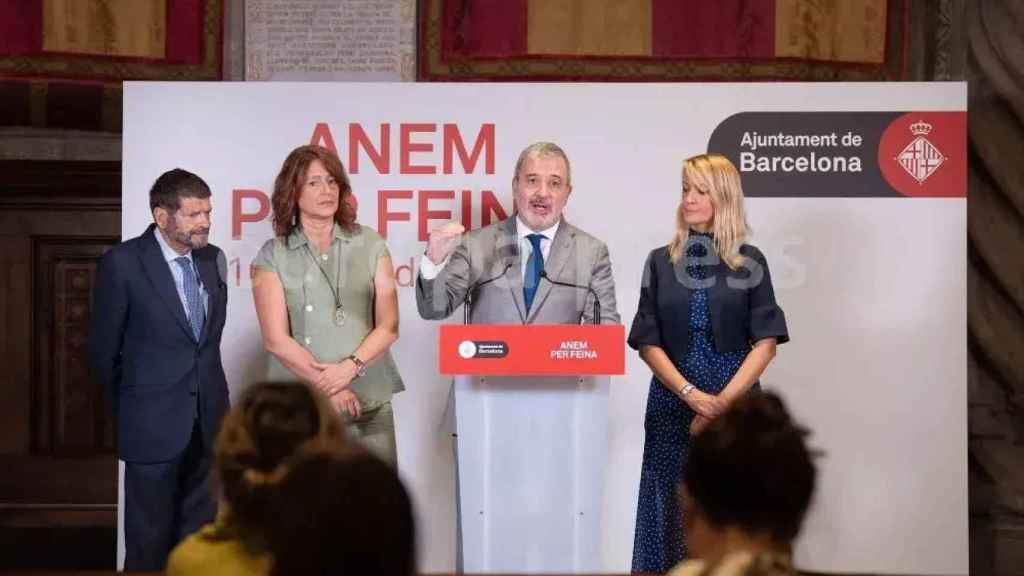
[{"x": 164, "y": 502}]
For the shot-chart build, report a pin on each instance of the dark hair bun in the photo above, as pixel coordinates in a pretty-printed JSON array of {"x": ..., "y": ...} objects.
[
  {"x": 751, "y": 468},
  {"x": 279, "y": 420},
  {"x": 259, "y": 435}
]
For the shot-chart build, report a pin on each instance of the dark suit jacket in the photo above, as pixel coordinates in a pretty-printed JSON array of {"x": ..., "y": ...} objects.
[
  {"x": 143, "y": 352},
  {"x": 741, "y": 304}
]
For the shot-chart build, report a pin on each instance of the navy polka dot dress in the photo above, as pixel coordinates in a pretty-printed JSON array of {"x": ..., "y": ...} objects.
[{"x": 659, "y": 542}]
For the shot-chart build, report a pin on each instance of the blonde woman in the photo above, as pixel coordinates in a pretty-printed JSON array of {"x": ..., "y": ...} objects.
[{"x": 707, "y": 325}]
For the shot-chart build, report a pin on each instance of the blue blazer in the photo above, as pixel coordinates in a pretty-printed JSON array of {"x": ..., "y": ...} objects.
[
  {"x": 741, "y": 304},
  {"x": 143, "y": 352}
]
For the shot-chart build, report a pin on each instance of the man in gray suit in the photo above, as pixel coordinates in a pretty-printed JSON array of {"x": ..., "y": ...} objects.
[{"x": 533, "y": 268}]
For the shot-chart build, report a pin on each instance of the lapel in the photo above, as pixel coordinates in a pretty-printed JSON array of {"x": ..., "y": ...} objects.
[
  {"x": 717, "y": 291},
  {"x": 160, "y": 277},
  {"x": 514, "y": 274},
  {"x": 674, "y": 290},
  {"x": 558, "y": 256},
  {"x": 211, "y": 283}
]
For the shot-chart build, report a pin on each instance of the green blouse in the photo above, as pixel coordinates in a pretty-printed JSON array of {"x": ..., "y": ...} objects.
[{"x": 315, "y": 286}]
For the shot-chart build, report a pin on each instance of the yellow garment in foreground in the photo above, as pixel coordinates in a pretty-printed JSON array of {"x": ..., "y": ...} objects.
[
  {"x": 216, "y": 550},
  {"x": 738, "y": 564}
]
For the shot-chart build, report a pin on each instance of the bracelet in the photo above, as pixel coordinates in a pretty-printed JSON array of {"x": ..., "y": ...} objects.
[
  {"x": 686, "y": 390},
  {"x": 360, "y": 365}
]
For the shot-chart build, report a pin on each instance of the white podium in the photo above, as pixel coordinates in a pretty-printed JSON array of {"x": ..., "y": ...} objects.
[
  {"x": 530, "y": 406},
  {"x": 531, "y": 455}
]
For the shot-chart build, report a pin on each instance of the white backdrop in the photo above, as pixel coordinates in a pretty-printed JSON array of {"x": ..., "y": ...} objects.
[{"x": 874, "y": 289}]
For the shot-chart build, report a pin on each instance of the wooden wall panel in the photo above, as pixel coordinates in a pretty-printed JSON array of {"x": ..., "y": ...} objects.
[
  {"x": 73, "y": 413},
  {"x": 58, "y": 468},
  {"x": 15, "y": 320}
]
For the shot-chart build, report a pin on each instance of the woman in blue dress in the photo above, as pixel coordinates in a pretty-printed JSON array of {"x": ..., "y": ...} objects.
[{"x": 707, "y": 325}]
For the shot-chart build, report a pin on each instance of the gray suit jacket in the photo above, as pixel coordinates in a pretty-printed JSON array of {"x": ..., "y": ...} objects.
[{"x": 488, "y": 261}]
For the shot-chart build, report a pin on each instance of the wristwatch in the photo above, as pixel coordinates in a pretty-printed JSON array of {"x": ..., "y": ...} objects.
[{"x": 360, "y": 365}]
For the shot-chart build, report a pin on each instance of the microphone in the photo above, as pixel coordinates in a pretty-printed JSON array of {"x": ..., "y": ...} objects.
[
  {"x": 478, "y": 285},
  {"x": 468, "y": 302},
  {"x": 597, "y": 301}
]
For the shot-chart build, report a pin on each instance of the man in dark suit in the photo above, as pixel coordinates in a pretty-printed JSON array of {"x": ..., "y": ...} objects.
[{"x": 160, "y": 306}]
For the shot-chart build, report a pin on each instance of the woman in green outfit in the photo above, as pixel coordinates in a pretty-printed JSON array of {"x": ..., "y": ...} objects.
[{"x": 326, "y": 300}]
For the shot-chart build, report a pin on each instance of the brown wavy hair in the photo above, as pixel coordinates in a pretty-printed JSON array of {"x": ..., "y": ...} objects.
[
  {"x": 288, "y": 186},
  {"x": 259, "y": 439}
]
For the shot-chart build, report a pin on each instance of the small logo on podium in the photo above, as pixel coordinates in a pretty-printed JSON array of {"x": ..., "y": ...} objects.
[
  {"x": 467, "y": 349},
  {"x": 920, "y": 158}
]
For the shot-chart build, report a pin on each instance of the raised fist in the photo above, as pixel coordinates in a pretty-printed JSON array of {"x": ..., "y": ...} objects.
[{"x": 442, "y": 241}]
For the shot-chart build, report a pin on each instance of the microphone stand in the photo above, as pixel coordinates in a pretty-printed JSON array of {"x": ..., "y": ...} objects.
[
  {"x": 597, "y": 301},
  {"x": 468, "y": 303}
]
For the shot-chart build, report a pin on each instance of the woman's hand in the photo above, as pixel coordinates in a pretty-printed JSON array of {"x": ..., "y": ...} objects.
[
  {"x": 335, "y": 378},
  {"x": 699, "y": 423},
  {"x": 346, "y": 402},
  {"x": 704, "y": 404}
]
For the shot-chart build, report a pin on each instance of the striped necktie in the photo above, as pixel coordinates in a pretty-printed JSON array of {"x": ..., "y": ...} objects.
[{"x": 193, "y": 297}]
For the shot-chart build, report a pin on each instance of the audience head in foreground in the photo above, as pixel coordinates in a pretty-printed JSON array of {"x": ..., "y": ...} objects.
[
  {"x": 257, "y": 441},
  {"x": 347, "y": 513},
  {"x": 254, "y": 452},
  {"x": 747, "y": 488}
]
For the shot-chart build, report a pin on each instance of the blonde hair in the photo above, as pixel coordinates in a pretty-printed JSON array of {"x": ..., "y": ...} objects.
[{"x": 716, "y": 175}]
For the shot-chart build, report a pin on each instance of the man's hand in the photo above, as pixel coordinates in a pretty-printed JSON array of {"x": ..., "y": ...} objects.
[{"x": 442, "y": 241}]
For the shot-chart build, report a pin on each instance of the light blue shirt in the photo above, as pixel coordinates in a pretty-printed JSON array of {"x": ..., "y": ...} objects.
[{"x": 179, "y": 279}]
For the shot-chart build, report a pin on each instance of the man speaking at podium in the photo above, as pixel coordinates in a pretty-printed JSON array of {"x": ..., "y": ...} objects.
[
  {"x": 531, "y": 462},
  {"x": 534, "y": 268}
]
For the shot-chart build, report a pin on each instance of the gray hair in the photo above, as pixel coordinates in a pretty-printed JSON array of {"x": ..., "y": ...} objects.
[{"x": 543, "y": 149}]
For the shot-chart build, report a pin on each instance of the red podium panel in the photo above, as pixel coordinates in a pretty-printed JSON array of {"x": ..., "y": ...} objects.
[{"x": 532, "y": 350}]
